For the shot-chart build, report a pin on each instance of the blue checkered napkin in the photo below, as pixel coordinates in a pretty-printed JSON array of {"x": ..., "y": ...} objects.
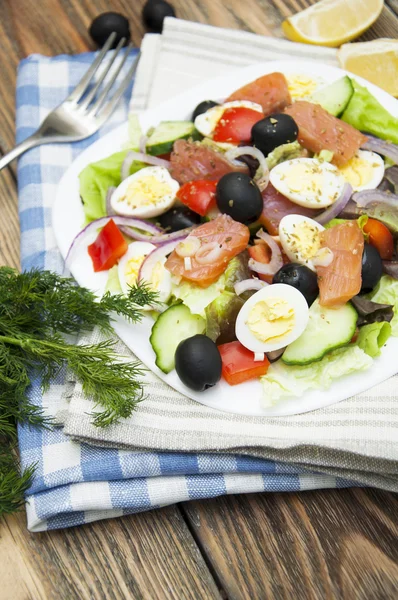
[{"x": 76, "y": 483}]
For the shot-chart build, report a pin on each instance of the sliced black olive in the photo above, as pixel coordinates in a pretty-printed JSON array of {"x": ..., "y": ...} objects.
[
  {"x": 238, "y": 196},
  {"x": 155, "y": 12},
  {"x": 198, "y": 362},
  {"x": 372, "y": 268},
  {"x": 178, "y": 218},
  {"x": 273, "y": 131},
  {"x": 203, "y": 107},
  {"x": 106, "y": 23},
  {"x": 299, "y": 277}
]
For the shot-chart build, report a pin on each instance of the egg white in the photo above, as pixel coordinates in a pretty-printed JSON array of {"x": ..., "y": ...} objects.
[
  {"x": 279, "y": 291},
  {"x": 137, "y": 252},
  {"x": 371, "y": 165},
  {"x": 156, "y": 205},
  {"x": 308, "y": 182},
  {"x": 206, "y": 122},
  {"x": 293, "y": 247}
]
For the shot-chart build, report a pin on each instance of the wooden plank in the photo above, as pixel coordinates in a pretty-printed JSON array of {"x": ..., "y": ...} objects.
[
  {"x": 9, "y": 230},
  {"x": 331, "y": 544},
  {"x": 150, "y": 556}
]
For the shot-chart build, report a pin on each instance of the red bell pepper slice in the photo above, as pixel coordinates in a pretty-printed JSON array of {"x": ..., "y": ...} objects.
[
  {"x": 238, "y": 364},
  {"x": 109, "y": 246}
]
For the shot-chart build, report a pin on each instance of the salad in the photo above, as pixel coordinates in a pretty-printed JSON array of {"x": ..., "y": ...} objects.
[{"x": 266, "y": 224}]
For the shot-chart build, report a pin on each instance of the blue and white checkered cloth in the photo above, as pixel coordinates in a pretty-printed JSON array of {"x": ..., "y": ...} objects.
[{"x": 76, "y": 483}]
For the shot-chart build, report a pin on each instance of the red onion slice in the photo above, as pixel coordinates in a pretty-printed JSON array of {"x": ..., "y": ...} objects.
[
  {"x": 142, "y": 144},
  {"x": 262, "y": 176},
  {"x": 174, "y": 235},
  {"x": 142, "y": 157},
  {"x": 108, "y": 206},
  {"x": 323, "y": 258},
  {"x": 208, "y": 253},
  {"x": 382, "y": 147},
  {"x": 276, "y": 261},
  {"x": 99, "y": 223},
  {"x": 368, "y": 196},
  {"x": 335, "y": 209},
  {"x": 145, "y": 272},
  {"x": 248, "y": 285}
]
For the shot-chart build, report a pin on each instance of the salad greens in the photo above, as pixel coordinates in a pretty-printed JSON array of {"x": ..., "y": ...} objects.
[
  {"x": 373, "y": 337},
  {"x": 386, "y": 292},
  {"x": 282, "y": 381},
  {"x": 197, "y": 298},
  {"x": 366, "y": 113}
]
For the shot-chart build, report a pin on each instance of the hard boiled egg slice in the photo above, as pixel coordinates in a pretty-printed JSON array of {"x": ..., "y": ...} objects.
[
  {"x": 130, "y": 264},
  {"x": 145, "y": 194},
  {"x": 206, "y": 122},
  {"x": 364, "y": 171},
  {"x": 308, "y": 182},
  {"x": 300, "y": 239},
  {"x": 272, "y": 318}
]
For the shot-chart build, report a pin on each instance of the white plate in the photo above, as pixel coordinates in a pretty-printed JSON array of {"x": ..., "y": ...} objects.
[{"x": 68, "y": 218}]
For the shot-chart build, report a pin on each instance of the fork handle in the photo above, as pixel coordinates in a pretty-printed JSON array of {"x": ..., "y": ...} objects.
[{"x": 30, "y": 142}]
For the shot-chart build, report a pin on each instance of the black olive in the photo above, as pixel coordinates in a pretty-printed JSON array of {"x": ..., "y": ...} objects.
[
  {"x": 251, "y": 163},
  {"x": 372, "y": 268},
  {"x": 103, "y": 25},
  {"x": 238, "y": 196},
  {"x": 273, "y": 131},
  {"x": 198, "y": 362},
  {"x": 203, "y": 107},
  {"x": 155, "y": 12},
  {"x": 178, "y": 218},
  {"x": 299, "y": 277}
]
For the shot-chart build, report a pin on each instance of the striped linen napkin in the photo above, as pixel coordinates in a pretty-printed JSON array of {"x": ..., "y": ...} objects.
[{"x": 172, "y": 449}]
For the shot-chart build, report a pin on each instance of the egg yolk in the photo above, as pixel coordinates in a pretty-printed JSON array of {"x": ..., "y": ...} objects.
[
  {"x": 271, "y": 319},
  {"x": 132, "y": 269},
  {"x": 304, "y": 239},
  {"x": 357, "y": 172},
  {"x": 145, "y": 191},
  {"x": 300, "y": 86}
]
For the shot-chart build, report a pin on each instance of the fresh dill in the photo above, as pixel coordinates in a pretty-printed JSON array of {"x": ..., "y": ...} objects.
[{"x": 38, "y": 311}]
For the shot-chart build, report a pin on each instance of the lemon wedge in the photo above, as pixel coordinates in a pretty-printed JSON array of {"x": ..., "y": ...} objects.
[
  {"x": 376, "y": 61},
  {"x": 332, "y": 22}
]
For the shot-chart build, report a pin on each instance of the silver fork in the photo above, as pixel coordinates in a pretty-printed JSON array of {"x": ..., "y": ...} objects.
[{"x": 79, "y": 117}]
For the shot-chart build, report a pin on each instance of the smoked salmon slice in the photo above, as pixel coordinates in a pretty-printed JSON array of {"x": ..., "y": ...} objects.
[
  {"x": 341, "y": 280},
  {"x": 270, "y": 91},
  {"x": 191, "y": 161},
  {"x": 224, "y": 237},
  {"x": 319, "y": 130},
  {"x": 277, "y": 206}
]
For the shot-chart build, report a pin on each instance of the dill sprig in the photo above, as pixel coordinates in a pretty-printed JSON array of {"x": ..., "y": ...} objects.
[{"x": 38, "y": 310}]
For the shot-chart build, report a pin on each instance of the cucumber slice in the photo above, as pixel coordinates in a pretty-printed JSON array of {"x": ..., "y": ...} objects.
[
  {"x": 175, "y": 324},
  {"x": 164, "y": 135},
  {"x": 334, "y": 97},
  {"x": 327, "y": 329}
]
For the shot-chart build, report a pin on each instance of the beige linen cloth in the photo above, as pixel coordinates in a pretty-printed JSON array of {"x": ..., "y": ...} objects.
[{"x": 355, "y": 439}]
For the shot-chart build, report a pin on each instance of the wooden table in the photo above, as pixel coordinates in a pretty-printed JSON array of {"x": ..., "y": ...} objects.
[{"x": 321, "y": 544}]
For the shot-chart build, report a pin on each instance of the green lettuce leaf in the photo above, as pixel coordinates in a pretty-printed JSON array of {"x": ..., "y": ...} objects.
[
  {"x": 386, "y": 292},
  {"x": 282, "y": 381},
  {"x": 373, "y": 337},
  {"x": 96, "y": 178},
  {"x": 195, "y": 297},
  {"x": 365, "y": 113},
  {"x": 113, "y": 283}
]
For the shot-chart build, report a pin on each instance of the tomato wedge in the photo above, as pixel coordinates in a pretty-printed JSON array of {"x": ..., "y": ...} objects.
[
  {"x": 236, "y": 125},
  {"x": 199, "y": 196},
  {"x": 380, "y": 237},
  {"x": 238, "y": 364},
  {"x": 109, "y": 246},
  {"x": 261, "y": 253}
]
